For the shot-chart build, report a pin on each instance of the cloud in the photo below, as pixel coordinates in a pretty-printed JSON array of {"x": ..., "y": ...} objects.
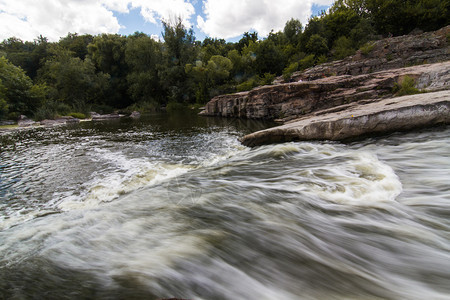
[
  {"x": 166, "y": 10},
  {"x": 27, "y": 19},
  {"x": 231, "y": 18}
]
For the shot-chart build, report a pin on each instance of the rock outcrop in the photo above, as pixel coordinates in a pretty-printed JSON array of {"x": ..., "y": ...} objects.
[
  {"x": 390, "y": 53},
  {"x": 60, "y": 121},
  {"x": 292, "y": 100},
  {"x": 388, "y": 115},
  {"x": 98, "y": 117},
  {"x": 321, "y": 99}
]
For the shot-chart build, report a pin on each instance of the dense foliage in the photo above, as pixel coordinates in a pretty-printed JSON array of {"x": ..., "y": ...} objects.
[{"x": 81, "y": 73}]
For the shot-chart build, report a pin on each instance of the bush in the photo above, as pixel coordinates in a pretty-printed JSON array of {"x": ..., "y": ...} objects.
[
  {"x": 267, "y": 79},
  {"x": 174, "y": 106},
  {"x": 3, "y": 108},
  {"x": 45, "y": 113},
  {"x": 406, "y": 86},
  {"x": 287, "y": 73},
  {"x": 247, "y": 85},
  {"x": 51, "y": 110},
  {"x": 307, "y": 62},
  {"x": 367, "y": 48},
  {"x": 102, "y": 108},
  {"x": 77, "y": 115},
  {"x": 343, "y": 48},
  {"x": 143, "y": 107}
]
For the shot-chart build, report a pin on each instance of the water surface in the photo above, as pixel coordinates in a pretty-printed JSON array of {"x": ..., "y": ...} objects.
[{"x": 173, "y": 206}]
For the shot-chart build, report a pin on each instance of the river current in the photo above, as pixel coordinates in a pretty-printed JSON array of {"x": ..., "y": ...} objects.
[{"x": 173, "y": 206}]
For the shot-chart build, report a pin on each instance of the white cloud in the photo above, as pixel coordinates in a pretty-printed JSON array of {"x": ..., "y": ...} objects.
[
  {"x": 27, "y": 19},
  {"x": 166, "y": 10},
  {"x": 231, "y": 18}
]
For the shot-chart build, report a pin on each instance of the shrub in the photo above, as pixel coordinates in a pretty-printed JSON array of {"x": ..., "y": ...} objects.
[
  {"x": 287, "y": 73},
  {"x": 267, "y": 78},
  {"x": 247, "y": 85},
  {"x": 406, "y": 86},
  {"x": 77, "y": 115},
  {"x": 143, "y": 107},
  {"x": 174, "y": 106},
  {"x": 367, "y": 48},
  {"x": 307, "y": 62}
]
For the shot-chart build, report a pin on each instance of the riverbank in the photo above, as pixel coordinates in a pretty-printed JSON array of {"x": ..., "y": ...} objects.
[
  {"x": 316, "y": 104},
  {"x": 66, "y": 120},
  {"x": 382, "y": 117}
]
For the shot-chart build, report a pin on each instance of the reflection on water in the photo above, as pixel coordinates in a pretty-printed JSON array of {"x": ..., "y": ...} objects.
[{"x": 174, "y": 206}]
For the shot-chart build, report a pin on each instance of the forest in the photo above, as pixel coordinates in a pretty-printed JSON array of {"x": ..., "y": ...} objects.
[{"x": 110, "y": 72}]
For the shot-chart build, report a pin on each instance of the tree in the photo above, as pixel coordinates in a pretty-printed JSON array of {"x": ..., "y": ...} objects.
[
  {"x": 107, "y": 52},
  {"x": 316, "y": 25},
  {"x": 74, "y": 81},
  {"x": 246, "y": 39},
  {"x": 293, "y": 30},
  {"x": 78, "y": 44},
  {"x": 317, "y": 45},
  {"x": 269, "y": 58},
  {"x": 143, "y": 54},
  {"x": 180, "y": 49},
  {"x": 4, "y": 107},
  {"x": 342, "y": 48},
  {"x": 219, "y": 68},
  {"x": 17, "y": 93}
]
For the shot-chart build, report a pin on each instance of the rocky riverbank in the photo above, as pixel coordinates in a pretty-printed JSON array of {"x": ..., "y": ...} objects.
[
  {"x": 320, "y": 99},
  {"x": 385, "y": 116},
  {"x": 25, "y": 122}
]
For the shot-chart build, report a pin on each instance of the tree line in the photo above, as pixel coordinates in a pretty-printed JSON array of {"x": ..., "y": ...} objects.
[{"x": 81, "y": 73}]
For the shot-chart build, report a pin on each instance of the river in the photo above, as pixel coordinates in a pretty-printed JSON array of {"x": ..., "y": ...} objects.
[{"x": 173, "y": 206}]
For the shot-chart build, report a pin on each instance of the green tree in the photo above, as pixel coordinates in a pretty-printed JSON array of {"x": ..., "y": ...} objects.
[
  {"x": 401, "y": 17},
  {"x": 246, "y": 39},
  {"x": 269, "y": 58},
  {"x": 107, "y": 52},
  {"x": 180, "y": 49},
  {"x": 78, "y": 44},
  {"x": 219, "y": 68},
  {"x": 143, "y": 54},
  {"x": 74, "y": 81},
  {"x": 4, "y": 107},
  {"x": 342, "y": 48},
  {"x": 317, "y": 45},
  {"x": 293, "y": 30},
  {"x": 17, "y": 91}
]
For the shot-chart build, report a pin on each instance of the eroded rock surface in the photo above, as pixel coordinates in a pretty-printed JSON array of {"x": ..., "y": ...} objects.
[
  {"x": 353, "y": 97},
  {"x": 388, "y": 115},
  {"x": 293, "y": 100}
]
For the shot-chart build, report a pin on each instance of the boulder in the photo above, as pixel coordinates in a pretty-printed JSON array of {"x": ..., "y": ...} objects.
[
  {"x": 98, "y": 117},
  {"x": 24, "y": 121},
  {"x": 135, "y": 115}
]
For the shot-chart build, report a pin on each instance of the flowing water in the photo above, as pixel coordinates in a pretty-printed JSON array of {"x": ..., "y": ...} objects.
[{"x": 173, "y": 206}]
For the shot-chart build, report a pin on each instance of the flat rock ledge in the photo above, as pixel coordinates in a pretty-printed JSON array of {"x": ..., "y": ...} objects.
[{"x": 376, "y": 118}]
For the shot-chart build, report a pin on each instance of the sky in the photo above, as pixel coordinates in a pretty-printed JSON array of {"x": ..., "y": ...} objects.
[{"x": 226, "y": 19}]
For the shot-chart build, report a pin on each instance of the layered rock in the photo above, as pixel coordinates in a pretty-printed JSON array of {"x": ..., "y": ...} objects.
[
  {"x": 353, "y": 97},
  {"x": 386, "y": 54},
  {"x": 293, "y": 100},
  {"x": 388, "y": 115}
]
